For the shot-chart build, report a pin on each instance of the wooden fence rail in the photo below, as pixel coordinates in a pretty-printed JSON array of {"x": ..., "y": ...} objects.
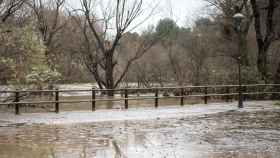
[{"x": 203, "y": 92}]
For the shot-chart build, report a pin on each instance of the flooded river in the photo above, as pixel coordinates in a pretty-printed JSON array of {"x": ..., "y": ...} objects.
[
  {"x": 217, "y": 131},
  {"x": 87, "y": 95}
]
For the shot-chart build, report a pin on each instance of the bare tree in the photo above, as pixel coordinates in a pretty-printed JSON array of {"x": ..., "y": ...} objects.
[
  {"x": 264, "y": 14},
  {"x": 107, "y": 31},
  {"x": 265, "y": 34},
  {"x": 226, "y": 10},
  {"x": 8, "y": 8}
]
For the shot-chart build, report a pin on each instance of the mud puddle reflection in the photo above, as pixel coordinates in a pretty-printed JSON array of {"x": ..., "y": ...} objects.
[{"x": 223, "y": 135}]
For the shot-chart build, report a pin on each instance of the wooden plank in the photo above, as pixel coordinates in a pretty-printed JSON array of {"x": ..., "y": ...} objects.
[{"x": 159, "y": 88}]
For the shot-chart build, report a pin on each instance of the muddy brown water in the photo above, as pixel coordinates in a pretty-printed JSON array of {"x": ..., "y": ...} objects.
[
  {"x": 231, "y": 134},
  {"x": 101, "y": 104}
]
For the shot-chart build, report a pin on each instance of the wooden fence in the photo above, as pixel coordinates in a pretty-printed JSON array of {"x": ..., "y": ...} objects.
[{"x": 227, "y": 92}]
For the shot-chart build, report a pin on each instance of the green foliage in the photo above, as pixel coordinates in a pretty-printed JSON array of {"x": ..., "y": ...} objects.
[
  {"x": 32, "y": 45},
  {"x": 42, "y": 74},
  {"x": 6, "y": 70},
  {"x": 23, "y": 57},
  {"x": 203, "y": 22},
  {"x": 168, "y": 28}
]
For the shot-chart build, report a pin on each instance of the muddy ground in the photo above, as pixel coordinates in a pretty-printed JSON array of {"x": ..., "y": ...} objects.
[{"x": 253, "y": 132}]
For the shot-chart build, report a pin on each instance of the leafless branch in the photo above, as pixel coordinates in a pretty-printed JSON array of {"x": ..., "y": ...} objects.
[{"x": 9, "y": 7}]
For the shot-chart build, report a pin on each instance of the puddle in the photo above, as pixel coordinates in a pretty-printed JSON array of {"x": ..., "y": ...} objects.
[{"x": 223, "y": 134}]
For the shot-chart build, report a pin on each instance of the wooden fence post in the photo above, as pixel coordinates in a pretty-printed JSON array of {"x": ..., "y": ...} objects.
[
  {"x": 182, "y": 97},
  {"x": 156, "y": 98},
  {"x": 227, "y": 94},
  {"x": 56, "y": 100},
  {"x": 205, "y": 96},
  {"x": 93, "y": 96},
  {"x": 17, "y": 103},
  {"x": 260, "y": 94},
  {"x": 244, "y": 90},
  {"x": 126, "y": 99}
]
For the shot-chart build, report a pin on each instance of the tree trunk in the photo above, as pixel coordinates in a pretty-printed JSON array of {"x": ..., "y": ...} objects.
[
  {"x": 277, "y": 75},
  {"x": 262, "y": 62},
  {"x": 109, "y": 74},
  {"x": 263, "y": 48},
  {"x": 265, "y": 39}
]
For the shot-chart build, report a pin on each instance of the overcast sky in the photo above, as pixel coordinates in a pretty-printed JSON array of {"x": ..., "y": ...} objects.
[{"x": 182, "y": 11}]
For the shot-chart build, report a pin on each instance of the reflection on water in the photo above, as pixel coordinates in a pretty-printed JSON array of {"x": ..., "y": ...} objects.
[{"x": 222, "y": 135}]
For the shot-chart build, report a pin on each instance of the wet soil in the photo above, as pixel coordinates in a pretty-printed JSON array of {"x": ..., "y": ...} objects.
[{"x": 229, "y": 134}]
